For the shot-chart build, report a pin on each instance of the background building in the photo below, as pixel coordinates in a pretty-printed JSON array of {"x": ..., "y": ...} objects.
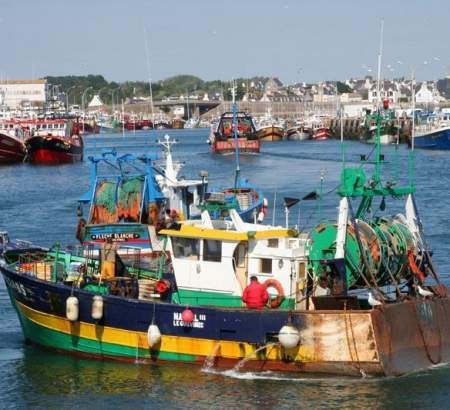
[{"x": 16, "y": 93}]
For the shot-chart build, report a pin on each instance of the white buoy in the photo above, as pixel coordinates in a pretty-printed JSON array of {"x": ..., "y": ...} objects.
[
  {"x": 153, "y": 335},
  {"x": 97, "y": 307},
  {"x": 289, "y": 336},
  {"x": 72, "y": 309},
  {"x": 260, "y": 218},
  {"x": 265, "y": 202}
]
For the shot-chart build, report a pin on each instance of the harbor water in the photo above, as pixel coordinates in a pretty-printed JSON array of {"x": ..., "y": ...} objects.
[{"x": 38, "y": 203}]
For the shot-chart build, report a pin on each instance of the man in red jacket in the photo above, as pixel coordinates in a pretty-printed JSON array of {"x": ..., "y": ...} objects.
[{"x": 255, "y": 295}]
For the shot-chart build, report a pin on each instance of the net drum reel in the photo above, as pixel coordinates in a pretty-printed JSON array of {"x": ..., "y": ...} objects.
[{"x": 385, "y": 242}]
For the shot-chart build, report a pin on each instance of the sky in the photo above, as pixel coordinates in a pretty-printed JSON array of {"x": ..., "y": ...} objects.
[{"x": 295, "y": 40}]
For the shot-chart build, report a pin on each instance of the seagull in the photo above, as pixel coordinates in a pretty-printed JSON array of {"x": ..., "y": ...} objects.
[
  {"x": 423, "y": 292},
  {"x": 373, "y": 301}
]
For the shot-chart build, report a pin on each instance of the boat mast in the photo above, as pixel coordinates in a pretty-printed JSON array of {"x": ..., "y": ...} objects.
[
  {"x": 413, "y": 129},
  {"x": 149, "y": 73},
  {"x": 235, "y": 134},
  {"x": 377, "y": 174}
]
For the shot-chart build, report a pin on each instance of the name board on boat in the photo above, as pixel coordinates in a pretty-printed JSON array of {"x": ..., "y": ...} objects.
[
  {"x": 116, "y": 236},
  {"x": 198, "y": 322}
]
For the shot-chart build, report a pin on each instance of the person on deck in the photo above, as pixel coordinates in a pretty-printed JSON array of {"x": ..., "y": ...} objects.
[
  {"x": 255, "y": 295},
  {"x": 108, "y": 259}
]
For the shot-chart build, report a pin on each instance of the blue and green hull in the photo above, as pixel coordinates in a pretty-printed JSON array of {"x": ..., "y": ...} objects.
[{"x": 341, "y": 342}]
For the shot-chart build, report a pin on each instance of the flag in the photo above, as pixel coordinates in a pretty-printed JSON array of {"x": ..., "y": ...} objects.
[
  {"x": 288, "y": 202},
  {"x": 312, "y": 195}
]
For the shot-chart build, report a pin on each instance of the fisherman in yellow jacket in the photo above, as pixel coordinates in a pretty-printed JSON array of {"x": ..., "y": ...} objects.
[{"x": 108, "y": 259}]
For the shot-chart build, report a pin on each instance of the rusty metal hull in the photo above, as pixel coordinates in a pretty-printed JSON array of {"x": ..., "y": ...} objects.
[{"x": 391, "y": 340}]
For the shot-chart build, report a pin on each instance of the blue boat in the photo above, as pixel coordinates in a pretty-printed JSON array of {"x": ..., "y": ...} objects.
[
  {"x": 434, "y": 133},
  {"x": 185, "y": 195},
  {"x": 131, "y": 197}
]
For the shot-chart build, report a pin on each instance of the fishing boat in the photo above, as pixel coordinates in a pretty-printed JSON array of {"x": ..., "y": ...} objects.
[
  {"x": 321, "y": 133},
  {"x": 223, "y": 140},
  {"x": 161, "y": 124},
  {"x": 389, "y": 131},
  {"x": 298, "y": 133},
  {"x": 268, "y": 128},
  {"x": 178, "y": 123},
  {"x": 185, "y": 195},
  {"x": 51, "y": 146},
  {"x": 434, "y": 133},
  {"x": 359, "y": 296},
  {"x": 134, "y": 123},
  {"x": 270, "y": 133},
  {"x": 12, "y": 148},
  {"x": 124, "y": 203}
]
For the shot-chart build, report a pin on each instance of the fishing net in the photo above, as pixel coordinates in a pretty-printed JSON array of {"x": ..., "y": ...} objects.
[
  {"x": 129, "y": 198},
  {"x": 104, "y": 209},
  {"x": 105, "y": 195}
]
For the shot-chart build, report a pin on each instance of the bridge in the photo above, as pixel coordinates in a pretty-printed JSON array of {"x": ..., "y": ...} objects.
[{"x": 192, "y": 108}]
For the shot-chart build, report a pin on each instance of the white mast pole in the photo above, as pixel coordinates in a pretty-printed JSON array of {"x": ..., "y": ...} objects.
[
  {"x": 149, "y": 73},
  {"x": 380, "y": 54},
  {"x": 413, "y": 97}
]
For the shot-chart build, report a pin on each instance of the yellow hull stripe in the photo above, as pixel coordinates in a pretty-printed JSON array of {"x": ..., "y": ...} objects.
[{"x": 172, "y": 344}]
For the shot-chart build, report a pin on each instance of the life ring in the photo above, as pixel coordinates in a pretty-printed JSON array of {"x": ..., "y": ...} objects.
[{"x": 274, "y": 303}]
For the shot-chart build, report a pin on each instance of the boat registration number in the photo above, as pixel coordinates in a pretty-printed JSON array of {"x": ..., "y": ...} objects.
[{"x": 198, "y": 322}]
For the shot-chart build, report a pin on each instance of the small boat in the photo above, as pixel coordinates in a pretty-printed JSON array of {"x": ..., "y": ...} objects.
[
  {"x": 298, "y": 133},
  {"x": 434, "y": 134},
  {"x": 223, "y": 140},
  {"x": 321, "y": 133},
  {"x": 178, "y": 123},
  {"x": 52, "y": 148},
  {"x": 12, "y": 148},
  {"x": 137, "y": 124},
  {"x": 88, "y": 125},
  {"x": 389, "y": 130},
  {"x": 270, "y": 133},
  {"x": 185, "y": 195},
  {"x": 162, "y": 125}
]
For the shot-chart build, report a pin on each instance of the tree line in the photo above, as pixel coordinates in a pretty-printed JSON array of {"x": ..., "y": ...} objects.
[{"x": 74, "y": 86}]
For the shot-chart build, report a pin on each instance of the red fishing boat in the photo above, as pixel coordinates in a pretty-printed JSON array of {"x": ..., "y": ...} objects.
[
  {"x": 321, "y": 133},
  {"x": 64, "y": 146},
  {"x": 12, "y": 148},
  {"x": 222, "y": 139}
]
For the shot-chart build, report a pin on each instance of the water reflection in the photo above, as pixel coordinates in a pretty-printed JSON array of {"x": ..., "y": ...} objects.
[{"x": 47, "y": 379}]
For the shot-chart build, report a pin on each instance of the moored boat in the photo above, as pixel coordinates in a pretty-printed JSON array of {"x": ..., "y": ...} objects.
[
  {"x": 223, "y": 141},
  {"x": 389, "y": 131},
  {"x": 178, "y": 123},
  {"x": 270, "y": 133},
  {"x": 434, "y": 134},
  {"x": 12, "y": 149},
  {"x": 298, "y": 133},
  {"x": 52, "y": 148},
  {"x": 321, "y": 133}
]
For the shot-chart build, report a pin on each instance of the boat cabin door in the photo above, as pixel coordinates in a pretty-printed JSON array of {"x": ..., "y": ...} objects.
[{"x": 240, "y": 262}]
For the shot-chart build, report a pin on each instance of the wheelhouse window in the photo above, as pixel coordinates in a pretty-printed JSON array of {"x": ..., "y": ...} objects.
[
  {"x": 266, "y": 265},
  {"x": 212, "y": 250},
  {"x": 272, "y": 243},
  {"x": 186, "y": 248}
]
